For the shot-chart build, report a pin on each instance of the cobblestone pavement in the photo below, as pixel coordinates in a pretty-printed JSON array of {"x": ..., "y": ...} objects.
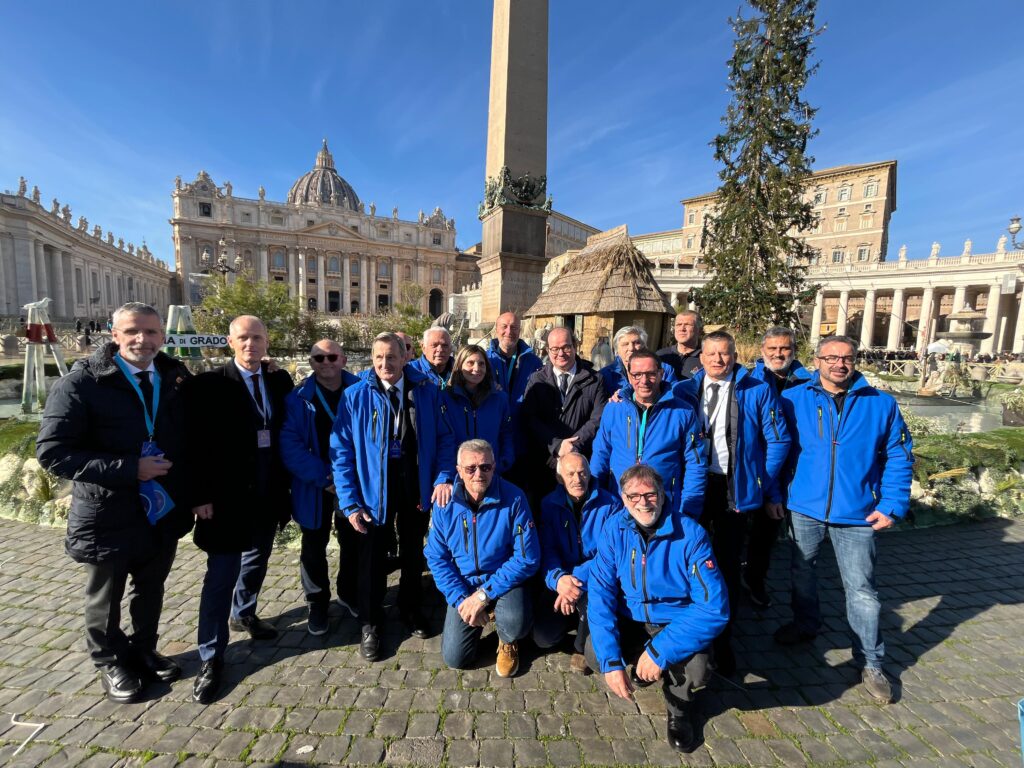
[{"x": 952, "y": 616}]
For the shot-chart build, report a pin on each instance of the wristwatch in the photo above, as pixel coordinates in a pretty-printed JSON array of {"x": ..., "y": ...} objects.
[{"x": 482, "y": 596}]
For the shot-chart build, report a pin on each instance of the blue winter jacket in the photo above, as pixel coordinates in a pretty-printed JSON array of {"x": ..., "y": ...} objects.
[
  {"x": 300, "y": 451},
  {"x": 672, "y": 581},
  {"x": 422, "y": 365},
  {"x": 759, "y": 438},
  {"x": 671, "y": 444},
  {"x": 490, "y": 422},
  {"x": 568, "y": 547},
  {"x": 796, "y": 375},
  {"x": 615, "y": 378},
  {"x": 359, "y": 444},
  {"x": 494, "y": 548},
  {"x": 524, "y": 363},
  {"x": 843, "y": 467}
]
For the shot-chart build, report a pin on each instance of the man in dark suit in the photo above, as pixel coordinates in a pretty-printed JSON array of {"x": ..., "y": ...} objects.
[{"x": 240, "y": 491}]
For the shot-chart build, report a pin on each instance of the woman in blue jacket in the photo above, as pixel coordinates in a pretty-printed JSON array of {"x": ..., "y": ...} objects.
[{"x": 476, "y": 407}]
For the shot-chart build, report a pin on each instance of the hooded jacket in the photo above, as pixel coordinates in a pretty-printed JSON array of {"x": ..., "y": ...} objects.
[
  {"x": 758, "y": 437},
  {"x": 300, "y": 452},
  {"x": 489, "y": 421},
  {"x": 493, "y": 548},
  {"x": 672, "y": 581},
  {"x": 567, "y": 546},
  {"x": 843, "y": 466}
]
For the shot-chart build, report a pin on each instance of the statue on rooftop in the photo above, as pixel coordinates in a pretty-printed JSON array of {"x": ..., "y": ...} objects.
[
  {"x": 22, "y": 186},
  {"x": 65, "y": 213},
  {"x": 935, "y": 250},
  {"x": 1001, "y": 245},
  {"x": 55, "y": 207},
  {"x": 262, "y": 193},
  {"x": 35, "y": 194}
]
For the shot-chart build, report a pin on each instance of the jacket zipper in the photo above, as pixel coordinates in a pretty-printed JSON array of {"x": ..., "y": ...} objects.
[
  {"x": 476, "y": 556},
  {"x": 821, "y": 428},
  {"x": 632, "y": 568},
  {"x": 775, "y": 427},
  {"x": 382, "y": 486},
  {"x": 465, "y": 534},
  {"x": 696, "y": 450},
  {"x": 643, "y": 581},
  {"x": 696, "y": 572},
  {"x": 629, "y": 431},
  {"x": 834, "y": 432},
  {"x": 465, "y": 411},
  {"x": 903, "y": 443},
  {"x": 522, "y": 545}
]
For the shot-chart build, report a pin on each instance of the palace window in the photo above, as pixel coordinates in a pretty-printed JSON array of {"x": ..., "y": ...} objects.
[
  {"x": 820, "y": 195},
  {"x": 79, "y": 286},
  {"x": 246, "y": 218},
  {"x": 310, "y": 222},
  {"x": 407, "y": 272},
  {"x": 354, "y": 267},
  {"x": 435, "y": 275},
  {"x": 863, "y": 252},
  {"x": 690, "y": 218},
  {"x": 437, "y": 239},
  {"x": 839, "y": 225},
  {"x": 383, "y": 269},
  {"x": 838, "y": 256},
  {"x": 334, "y": 266},
  {"x": 689, "y": 243},
  {"x": 206, "y": 210},
  {"x": 868, "y": 208},
  {"x": 277, "y": 220},
  {"x": 844, "y": 193},
  {"x": 277, "y": 260},
  {"x": 871, "y": 189},
  {"x": 865, "y": 221}
]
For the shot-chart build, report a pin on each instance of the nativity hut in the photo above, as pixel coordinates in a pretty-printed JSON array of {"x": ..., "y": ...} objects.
[{"x": 606, "y": 285}]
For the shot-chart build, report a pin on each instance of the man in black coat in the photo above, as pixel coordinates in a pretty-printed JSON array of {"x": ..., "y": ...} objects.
[
  {"x": 115, "y": 427},
  {"x": 684, "y": 355},
  {"x": 561, "y": 411},
  {"x": 240, "y": 492}
]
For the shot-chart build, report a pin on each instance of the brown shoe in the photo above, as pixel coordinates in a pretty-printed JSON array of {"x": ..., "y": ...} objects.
[
  {"x": 508, "y": 659},
  {"x": 578, "y": 664}
]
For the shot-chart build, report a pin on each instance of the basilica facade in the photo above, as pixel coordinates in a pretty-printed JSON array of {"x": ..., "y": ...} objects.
[{"x": 336, "y": 253}]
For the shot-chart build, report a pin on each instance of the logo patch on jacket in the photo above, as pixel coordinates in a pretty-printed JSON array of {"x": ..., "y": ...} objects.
[{"x": 709, "y": 564}]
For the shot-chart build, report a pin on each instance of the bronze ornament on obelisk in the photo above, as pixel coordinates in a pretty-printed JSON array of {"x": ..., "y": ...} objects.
[{"x": 515, "y": 208}]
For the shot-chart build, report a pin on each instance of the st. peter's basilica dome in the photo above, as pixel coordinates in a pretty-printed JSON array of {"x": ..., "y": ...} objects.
[{"x": 323, "y": 185}]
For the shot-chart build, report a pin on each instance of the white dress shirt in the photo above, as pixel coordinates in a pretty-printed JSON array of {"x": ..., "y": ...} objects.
[{"x": 720, "y": 419}]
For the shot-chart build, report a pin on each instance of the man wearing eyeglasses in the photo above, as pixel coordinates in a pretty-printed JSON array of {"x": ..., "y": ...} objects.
[
  {"x": 436, "y": 361},
  {"x": 627, "y": 341},
  {"x": 654, "y": 592},
  {"x": 850, "y": 470},
  {"x": 482, "y": 548},
  {"x": 650, "y": 425},
  {"x": 310, "y": 411},
  {"x": 561, "y": 410}
]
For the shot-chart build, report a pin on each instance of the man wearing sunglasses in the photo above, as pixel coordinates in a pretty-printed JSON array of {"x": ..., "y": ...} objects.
[
  {"x": 655, "y": 594},
  {"x": 850, "y": 473},
  {"x": 305, "y": 447},
  {"x": 482, "y": 548}
]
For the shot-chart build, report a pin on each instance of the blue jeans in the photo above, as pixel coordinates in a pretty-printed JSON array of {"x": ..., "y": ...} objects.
[
  {"x": 512, "y": 615},
  {"x": 854, "y": 546}
]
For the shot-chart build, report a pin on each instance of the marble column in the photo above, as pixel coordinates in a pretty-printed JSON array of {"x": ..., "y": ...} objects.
[
  {"x": 364, "y": 281},
  {"x": 896, "y": 320},
  {"x": 43, "y": 287},
  {"x": 842, "y": 319},
  {"x": 263, "y": 268},
  {"x": 991, "y": 319},
  {"x": 6, "y": 279},
  {"x": 819, "y": 305},
  {"x": 926, "y": 324},
  {"x": 321, "y": 283},
  {"x": 1018, "y": 328},
  {"x": 867, "y": 324},
  {"x": 293, "y": 272},
  {"x": 25, "y": 271},
  {"x": 346, "y": 285},
  {"x": 959, "y": 294},
  {"x": 300, "y": 290},
  {"x": 57, "y": 280}
]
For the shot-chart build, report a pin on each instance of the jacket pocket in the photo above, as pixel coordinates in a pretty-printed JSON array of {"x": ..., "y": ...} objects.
[
  {"x": 700, "y": 580},
  {"x": 775, "y": 426},
  {"x": 522, "y": 543},
  {"x": 632, "y": 568}
]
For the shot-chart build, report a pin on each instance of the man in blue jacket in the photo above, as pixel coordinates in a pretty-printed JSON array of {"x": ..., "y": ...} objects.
[
  {"x": 572, "y": 517},
  {"x": 746, "y": 442},
  {"x": 436, "y": 361},
  {"x": 778, "y": 367},
  {"x": 513, "y": 362},
  {"x": 482, "y": 548},
  {"x": 310, "y": 411},
  {"x": 654, "y": 584},
  {"x": 650, "y": 425},
  {"x": 851, "y": 468},
  {"x": 627, "y": 341},
  {"x": 393, "y": 456}
]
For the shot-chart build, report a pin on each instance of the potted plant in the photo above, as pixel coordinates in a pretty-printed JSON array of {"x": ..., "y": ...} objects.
[{"x": 1013, "y": 408}]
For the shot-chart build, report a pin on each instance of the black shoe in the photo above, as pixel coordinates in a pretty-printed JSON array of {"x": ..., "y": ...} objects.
[
  {"x": 158, "y": 667},
  {"x": 255, "y": 626},
  {"x": 418, "y": 626},
  {"x": 316, "y": 622},
  {"x": 791, "y": 634},
  {"x": 759, "y": 595},
  {"x": 369, "y": 646},
  {"x": 680, "y": 733},
  {"x": 636, "y": 681},
  {"x": 120, "y": 685},
  {"x": 725, "y": 659},
  {"x": 207, "y": 682}
]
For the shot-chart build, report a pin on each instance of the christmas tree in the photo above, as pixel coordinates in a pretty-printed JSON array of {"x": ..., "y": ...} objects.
[{"x": 750, "y": 242}]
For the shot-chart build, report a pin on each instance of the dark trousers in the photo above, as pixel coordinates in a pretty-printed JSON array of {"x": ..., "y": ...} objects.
[
  {"x": 551, "y": 626},
  {"x": 104, "y": 588},
  {"x": 678, "y": 681},
  {"x": 313, "y": 568},
  {"x": 231, "y": 587},
  {"x": 726, "y": 528},
  {"x": 764, "y": 531},
  {"x": 512, "y": 618}
]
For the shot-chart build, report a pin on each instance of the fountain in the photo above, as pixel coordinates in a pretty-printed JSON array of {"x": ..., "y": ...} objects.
[
  {"x": 962, "y": 331},
  {"x": 963, "y": 341}
]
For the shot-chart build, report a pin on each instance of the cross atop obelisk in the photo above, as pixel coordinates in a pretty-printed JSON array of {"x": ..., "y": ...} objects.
[{"x": 515, "y": 207}]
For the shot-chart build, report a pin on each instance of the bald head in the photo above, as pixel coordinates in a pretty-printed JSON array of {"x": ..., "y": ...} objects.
[
  {"x": 506, "y": 330},
  {"x": 327, "y": 359},
  {"x": 247, "y": 337},
  {"x": 573, "y": 472}
]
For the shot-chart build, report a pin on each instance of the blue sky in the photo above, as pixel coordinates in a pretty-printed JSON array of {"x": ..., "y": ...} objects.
[{"x": 103, "y": 104}]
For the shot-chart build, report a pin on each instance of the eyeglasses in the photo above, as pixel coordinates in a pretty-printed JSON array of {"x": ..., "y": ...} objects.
[
  {"x": 560, "y": 350},
  {"x": 833, "y": 359},
  {"x": 650, "y": 498},
  {"x": 485, "y": 469},
  {"x": 332, "y": 358},
  {"x": 645, "y": 375}
]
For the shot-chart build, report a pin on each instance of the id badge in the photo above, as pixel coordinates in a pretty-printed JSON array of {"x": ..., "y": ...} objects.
[
  {"x": 705, "y": 444},
  {"x": 263, "y": 438},
  {"x": 395, "y": 449},
  {"x": 149, "y": 448}
]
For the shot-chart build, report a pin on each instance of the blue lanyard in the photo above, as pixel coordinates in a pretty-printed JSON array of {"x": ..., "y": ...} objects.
[
  {"x": 323, "y": 401},
  {"x": 511, "y": 370},
  {"x": 150, "y": 419},
  {"x": 641, "y": 434}
]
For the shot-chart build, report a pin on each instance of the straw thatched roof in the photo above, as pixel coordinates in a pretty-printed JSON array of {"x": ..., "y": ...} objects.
[{"x": 608, "y": 275}]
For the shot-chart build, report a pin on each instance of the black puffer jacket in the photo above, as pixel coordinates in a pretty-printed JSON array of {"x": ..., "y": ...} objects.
[{"x": 92, "y": 433}]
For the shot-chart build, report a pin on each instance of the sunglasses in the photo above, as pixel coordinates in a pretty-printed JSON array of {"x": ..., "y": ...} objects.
[
  {"x": 485, "y": 469},
  {"x": 332, "y": 358}
]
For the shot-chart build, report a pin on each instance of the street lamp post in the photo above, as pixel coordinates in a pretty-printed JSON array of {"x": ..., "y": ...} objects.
[
  {"x": 1014, "y": 229},
  {"x": 221, "y": 264}
]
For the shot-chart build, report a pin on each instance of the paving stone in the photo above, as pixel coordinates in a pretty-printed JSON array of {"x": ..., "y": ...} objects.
[
  {"x": 563, "y": 752},
  {"x": 529, "y": 752},
  {"x": 390, "y": 725},
  {"x": 496, "y": 753},
  {"x": 332, "y": 750},
  {"x": 267, "y": 746},
  {"x": 410, "y": 751},
  {"x": 463, "y": 753}
]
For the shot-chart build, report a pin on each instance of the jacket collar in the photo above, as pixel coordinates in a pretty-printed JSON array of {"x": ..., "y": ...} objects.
[
  {"x": 307, "y": 389},
  {"x": 857, "y": 386},
  {"x": 492, "y": 497},
  {"x": 426, "y": 366},
  {"x": 101, "y": 361},
  {"x": 522, "y": 348},
  {"x": 668, "y": 525}
]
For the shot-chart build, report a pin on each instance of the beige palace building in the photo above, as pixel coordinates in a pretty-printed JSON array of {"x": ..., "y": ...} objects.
[{"x": 334, "y": 252}]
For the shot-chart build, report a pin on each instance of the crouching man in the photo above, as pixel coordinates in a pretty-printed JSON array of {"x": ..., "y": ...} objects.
[
  {"x": 482, "y": 548},
  {"x": 654, "y": 584}
]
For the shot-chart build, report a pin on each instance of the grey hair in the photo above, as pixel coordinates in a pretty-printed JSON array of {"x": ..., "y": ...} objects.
[
  {"x": 583, "y": 458},
  {"x": 629, "y": 330},
  {"x": 134, "y": 308},
  {"x": 719, "y": 336},
  {"x": 779, "y": 330},
  {"x": 644, "y": 472},
  {"x": 476, "y": 445},
  {"x": 694, "y": 314},
  {"x": 434, "y": 329},
  {"x": 390, "y": 338},
  {"x": 833, "y": 340}
]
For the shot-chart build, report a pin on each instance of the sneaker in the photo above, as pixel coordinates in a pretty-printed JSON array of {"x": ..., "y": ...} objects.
[
  {"x": 759, "y": 595},
  {"x": 791, "y": 634},
  {"x": 316, "y": 622},
  {"x": 508, "y": 659},
  {"x": 877, "y": 684},
  {"x": 578, "y": 664}
]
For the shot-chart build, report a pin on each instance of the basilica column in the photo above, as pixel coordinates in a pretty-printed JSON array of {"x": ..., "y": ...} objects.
[
  {"x": 959, "y": 294},
  {"x": 43, "y": 287},
  {"x": 842, "y": 318},
  {"x": 896, "y": 320},
  {"x": 364, "y": 280},
  {"x": 263, "y": 267},
  {"x": 1018, "y": 328},
  {"x": 925, "y": 329},
  {"x": 991, "y": 319},
  {"x": 300, "y": 291},
  {"x": 867, "y": 325},
  {"x": 346, "y": 285},
  {"x": 57, "y": 281},
  {"x": 819, "y": 305},
  {"x": 321, "y": 280},
  {"x": 6, "y": 279},
  {"x": 292, "y": 272},
  {"x": 25, "y": 271}
]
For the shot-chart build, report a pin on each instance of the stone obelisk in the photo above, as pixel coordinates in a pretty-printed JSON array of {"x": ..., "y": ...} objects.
[{"x": 515, "y": 207}]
